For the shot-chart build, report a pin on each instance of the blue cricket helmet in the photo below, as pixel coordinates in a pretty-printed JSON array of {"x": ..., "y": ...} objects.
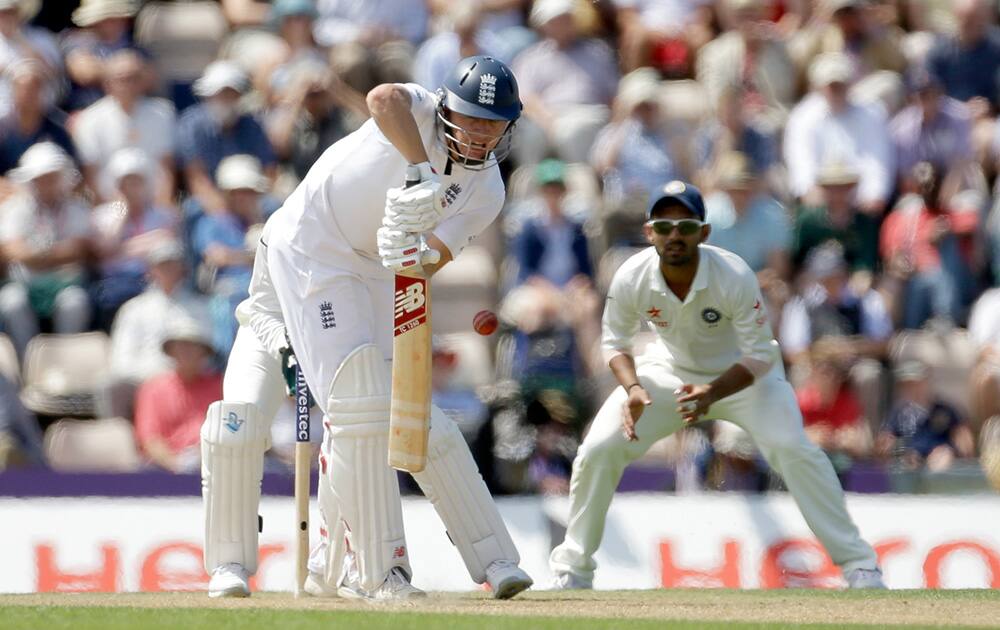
[{"x": 479, "y": 87}]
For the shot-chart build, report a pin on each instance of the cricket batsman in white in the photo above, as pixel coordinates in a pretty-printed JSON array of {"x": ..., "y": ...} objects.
[
  {"x": 717, "y": 359},
  {"x": 331, "y": 254}
]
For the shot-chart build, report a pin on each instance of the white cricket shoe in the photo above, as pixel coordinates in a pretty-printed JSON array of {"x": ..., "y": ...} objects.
[
  {"x": 316, "y": 586},
  {"x": 571, "y": 582},
  {"x": 229, "y": 580},
  {"x": 507, "y": 579},
  {"x": 396, "y": 587},
  {"x": 865, "y": 578}
]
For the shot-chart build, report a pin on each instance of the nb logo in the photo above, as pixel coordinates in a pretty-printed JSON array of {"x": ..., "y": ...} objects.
[
  {"x": 410, "y": 299},
  {"x": 234, "y": 422}
]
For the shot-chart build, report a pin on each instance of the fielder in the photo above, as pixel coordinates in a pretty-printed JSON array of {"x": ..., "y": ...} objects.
[
  {"x": 717, "y": 359},
  {"x": 332, "y": 252}
]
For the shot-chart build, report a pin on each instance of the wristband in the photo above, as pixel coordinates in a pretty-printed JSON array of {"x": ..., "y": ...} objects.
[{"x": 629, "y": 388}]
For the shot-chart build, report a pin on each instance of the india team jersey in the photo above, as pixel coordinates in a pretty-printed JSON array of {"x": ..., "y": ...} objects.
[
  {"x": 334, "y": 214},
  {"x": 721, "y": 321}
]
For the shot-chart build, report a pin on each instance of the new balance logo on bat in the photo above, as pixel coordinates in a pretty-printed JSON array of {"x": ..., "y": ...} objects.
[
  {"x": 487, "y": 89},
  {"x": 409, "y": 299},
  {"x": 411, "y": 303}
]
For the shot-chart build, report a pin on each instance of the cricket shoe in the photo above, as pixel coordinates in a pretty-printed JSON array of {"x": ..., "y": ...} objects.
[
  {"x": 396, "y": 587},
  {"x": 316, "y": 586},
  {"x": 865, "y": 578},
  {"x": 507, "y": 579},
  {"x": 229, "y": 580},
  {"x": 571, "y": 582}
]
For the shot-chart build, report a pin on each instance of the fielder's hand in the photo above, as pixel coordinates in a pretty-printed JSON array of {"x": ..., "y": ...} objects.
[
  {"x": 415, "y": 209},
  {"x": 693, "y": 401},
  {"x": 635, "y": 404},
  {"x": 402, "y": 251}
]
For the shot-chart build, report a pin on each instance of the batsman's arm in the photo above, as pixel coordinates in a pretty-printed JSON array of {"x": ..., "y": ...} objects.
[
  {"x": 390, "y": 105},
  {"x": 437, "y": 244}
]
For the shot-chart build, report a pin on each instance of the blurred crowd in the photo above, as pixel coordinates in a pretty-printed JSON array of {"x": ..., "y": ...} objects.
[{"x": 848, "y": 151}]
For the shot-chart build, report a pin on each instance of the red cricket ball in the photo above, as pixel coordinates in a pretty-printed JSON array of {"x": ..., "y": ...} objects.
[{"x": 485, "y": 322}]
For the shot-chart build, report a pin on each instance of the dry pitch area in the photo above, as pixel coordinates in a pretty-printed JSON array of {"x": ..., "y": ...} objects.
[{"x": 542, "y": 610}]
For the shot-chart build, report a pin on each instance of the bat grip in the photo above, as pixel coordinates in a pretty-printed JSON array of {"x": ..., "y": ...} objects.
[{"x": 412, "y": 176}]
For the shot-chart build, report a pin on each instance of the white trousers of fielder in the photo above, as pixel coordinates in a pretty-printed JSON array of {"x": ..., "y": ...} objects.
[{"x": 767, "y": 410}]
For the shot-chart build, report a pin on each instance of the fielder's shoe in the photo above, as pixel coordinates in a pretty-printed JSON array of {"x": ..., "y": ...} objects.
[
  {"x": 570, "y": 582},
  {"x": 316, "y": 586},
  {"x": 865, "y": 578},
  {"x": 229, "y": 580},
  {"x": 506, "y": 579}
]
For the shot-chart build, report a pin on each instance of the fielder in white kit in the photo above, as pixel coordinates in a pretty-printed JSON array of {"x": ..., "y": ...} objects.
[
  {"x": 333, "y": 278},
  {"x": 717, "y": 359}
]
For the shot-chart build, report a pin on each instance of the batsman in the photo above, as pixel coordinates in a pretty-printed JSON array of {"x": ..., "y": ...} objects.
[{"x": 332, "y": 252}]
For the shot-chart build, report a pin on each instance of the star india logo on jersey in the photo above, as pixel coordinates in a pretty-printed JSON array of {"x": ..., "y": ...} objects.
[
  {"x": 487, "y": 89},
  {"x": 410, "y": 303}
]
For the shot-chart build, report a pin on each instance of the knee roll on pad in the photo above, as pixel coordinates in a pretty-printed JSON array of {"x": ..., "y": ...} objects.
[
  {"x": 363, "y": 486},
  {"x": 233, "y": 440},
  {"x": 456, "y": 489}
]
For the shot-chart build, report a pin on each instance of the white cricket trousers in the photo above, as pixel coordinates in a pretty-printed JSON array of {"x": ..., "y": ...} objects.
[{"x": 767, "y": 410}]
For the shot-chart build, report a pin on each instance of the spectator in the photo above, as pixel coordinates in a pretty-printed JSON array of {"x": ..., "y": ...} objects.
[
  {"x": 224, "y": 243},
  {"x": 632, "y": 153},
  {"x": 502, "y": 20},
  {"x": 935, "y": 128},
  {"x": 746, "y": 220},
  {"x": 126, "y": 118},
  {"x": 730, "y": 129},
  {"x": 314, "y": 110},
  {"x": 827, "y": 126},
  {"x": 215, "y": 129},
  {"x": 921, "y": 429},
  {"x": 170, "y": 408},
  {"x": 293, "y": 20},
  {"x": 45, "y": 240},
  {"x": 126, "y": 230},
  {"x": 31, "y": 120},
  {"x": 245, "y": 13},
  {"x": 19, "y": 41},
  {"x": 831, "y": 412},
  {"x": 20, "y": 435},
  {"x": 968, "y": 63},
  {"x": 461, "y": 404},
  {"x": 139, "y": 326},
  {"x": 567, "y": 82},
  {"x": 831, "y": 306},
  {"x": 552, "y": 249},
  {"x": 371, "y": 42},
  {"x": 105, "y": 31},
  {"x": 836, "y": 218},
  {"x": 438, "y": 55},
  {"x": 984, "y": 330},
  {"x": 663, "y": 34},
  {"x": 753, "y": 57},
  {"x": 930, "y": 248},
  {"x": 851, "y": 28}
]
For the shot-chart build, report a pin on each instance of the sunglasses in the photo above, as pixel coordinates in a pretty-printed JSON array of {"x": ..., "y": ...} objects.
[{"x": 687, "y": 227}]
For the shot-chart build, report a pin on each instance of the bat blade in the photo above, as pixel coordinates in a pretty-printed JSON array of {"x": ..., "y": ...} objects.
[{"x": 410, "y": 407}]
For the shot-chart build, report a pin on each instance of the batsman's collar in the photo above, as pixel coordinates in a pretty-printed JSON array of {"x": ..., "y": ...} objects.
[{"x": 685, "y": 194}]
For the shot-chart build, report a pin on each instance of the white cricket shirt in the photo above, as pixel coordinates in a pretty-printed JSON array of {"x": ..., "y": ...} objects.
[
  {"x": 333, "y": 215},
  {"x": 722, "y": 320}
]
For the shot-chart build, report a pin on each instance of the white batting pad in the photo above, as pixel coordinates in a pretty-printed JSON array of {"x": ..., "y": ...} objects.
[
  {"x": 456, "y": 489},
  {"x": 363, "y": 486},
  {"x": 233, "y": 440}
]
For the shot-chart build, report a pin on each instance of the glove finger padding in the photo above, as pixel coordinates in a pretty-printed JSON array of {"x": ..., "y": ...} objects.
[{"x": 409, "y": 222}]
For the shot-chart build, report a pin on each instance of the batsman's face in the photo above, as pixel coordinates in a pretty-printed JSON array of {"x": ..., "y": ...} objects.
[
  {"x": 678, "y": 246},
  {"x": 476, "y": 137}
]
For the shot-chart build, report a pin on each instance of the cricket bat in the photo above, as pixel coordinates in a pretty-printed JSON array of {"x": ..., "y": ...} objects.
[
  {"x": 410, "y": 406},
  {"x": 303, "y": 468}
]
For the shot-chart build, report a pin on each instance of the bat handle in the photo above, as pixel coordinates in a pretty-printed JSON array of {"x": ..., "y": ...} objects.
[{"x": 412, "y": 176}]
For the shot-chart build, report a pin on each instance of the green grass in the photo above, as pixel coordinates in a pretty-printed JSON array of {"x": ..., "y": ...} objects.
[{"x": 669, "y": 610}]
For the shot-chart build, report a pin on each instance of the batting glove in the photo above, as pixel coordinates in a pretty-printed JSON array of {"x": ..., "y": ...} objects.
[
  {"x": 417, "y": 208},
  {"x": 403, "y": 251}
]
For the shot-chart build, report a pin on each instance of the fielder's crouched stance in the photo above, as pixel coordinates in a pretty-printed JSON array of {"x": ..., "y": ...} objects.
[
  {"x": 334, "y": 283},
  {"x": 717, "y": 360}
]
